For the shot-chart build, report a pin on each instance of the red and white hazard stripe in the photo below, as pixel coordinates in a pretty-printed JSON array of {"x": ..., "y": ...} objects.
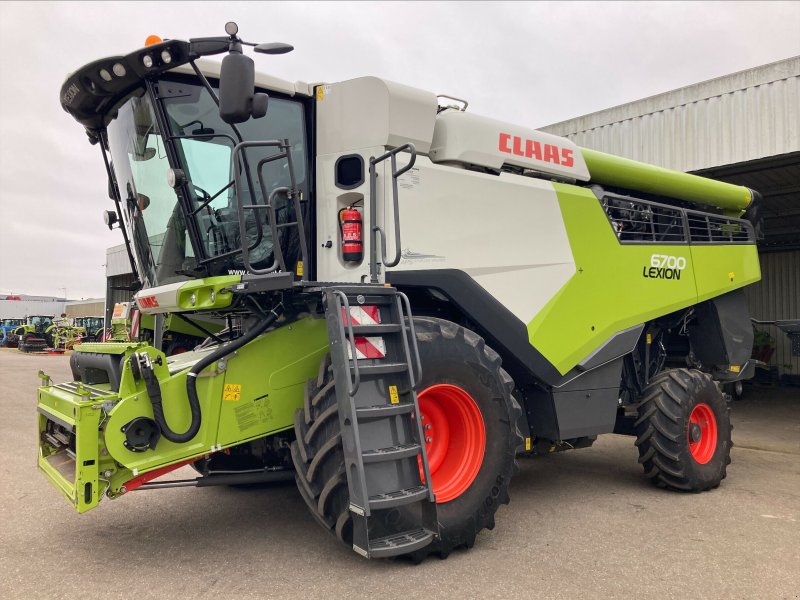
[
  {"x": 136, "y": 316},
  {"x": 370, "y": 346}
]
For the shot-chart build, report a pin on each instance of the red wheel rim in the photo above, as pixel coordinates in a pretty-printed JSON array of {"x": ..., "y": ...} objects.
[
  {"x": 455, "y": 439},
  {"x": 702, "y": 433}
]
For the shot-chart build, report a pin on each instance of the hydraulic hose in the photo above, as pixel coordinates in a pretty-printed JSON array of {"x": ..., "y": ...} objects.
[{"x": 191, "y": 381}]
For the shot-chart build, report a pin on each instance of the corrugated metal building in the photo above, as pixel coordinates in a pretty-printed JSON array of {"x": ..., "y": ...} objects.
[
  {"x": 743, "y": 128},
  {"x": 92, "y": 307},
  {"x": 28, "y": 305}
]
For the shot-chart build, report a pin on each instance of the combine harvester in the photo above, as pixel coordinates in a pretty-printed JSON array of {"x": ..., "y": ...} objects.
[{"x": 413, "y": 295}]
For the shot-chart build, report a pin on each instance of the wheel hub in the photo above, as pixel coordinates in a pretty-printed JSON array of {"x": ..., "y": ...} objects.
[
  {"x": 702, "y": 433},
  {"x": 455, "y": 439}
]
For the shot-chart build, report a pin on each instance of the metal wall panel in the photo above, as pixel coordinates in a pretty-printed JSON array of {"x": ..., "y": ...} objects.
[
  {"x": 740, "y": 117},
  {"x": 87, "y": 308},
  {"x": 19, "y": 309},
  {"x": 117, "y": 261},
  {"x": 776, "y": 297}
]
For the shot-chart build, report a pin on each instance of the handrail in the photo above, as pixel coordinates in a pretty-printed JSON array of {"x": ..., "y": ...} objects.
[
  {"x": 343, "y": 306},
  {"x": 376, "y": 229}
]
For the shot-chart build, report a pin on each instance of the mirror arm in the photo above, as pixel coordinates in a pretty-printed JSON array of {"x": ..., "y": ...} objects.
[{"x": 214, "y": 96}]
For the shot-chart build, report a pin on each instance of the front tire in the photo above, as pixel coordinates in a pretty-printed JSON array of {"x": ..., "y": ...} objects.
[
  {"x": 462, "y": 378},
  {"x": 683, "y": 431}
]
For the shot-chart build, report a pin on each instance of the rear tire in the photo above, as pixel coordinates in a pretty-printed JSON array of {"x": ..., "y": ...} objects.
[
  {"x": 683, "y": 431},
  {"x": 450, "y": 355}
]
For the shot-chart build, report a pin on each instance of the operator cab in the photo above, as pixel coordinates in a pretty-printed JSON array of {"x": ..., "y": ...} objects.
[
  {"x": 198, "y": 190},
  {"x": 40, "y": 323}
]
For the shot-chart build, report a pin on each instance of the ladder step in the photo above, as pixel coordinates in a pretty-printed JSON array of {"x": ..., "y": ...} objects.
[
  {"x": 400, "y": 543},
  {"x": 367, "y": 330},
  {"x": 381, "y": 368},
  {"x": 398, "y": 498},
  {"x": 390, "y": 453},
  {"x": 384, "y": 410}
]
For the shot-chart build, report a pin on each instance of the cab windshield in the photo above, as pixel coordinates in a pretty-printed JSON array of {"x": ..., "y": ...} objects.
[
  {"x": 151, "y": 207},
  {"x": 201, "y": 145}
]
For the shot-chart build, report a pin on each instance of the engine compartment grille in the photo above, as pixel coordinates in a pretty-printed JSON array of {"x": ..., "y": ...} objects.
[{"x": 638, "y": 221}]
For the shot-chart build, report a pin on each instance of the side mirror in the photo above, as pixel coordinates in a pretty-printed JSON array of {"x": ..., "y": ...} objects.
[
  {"x": 237, "y": 100},
  {"x": 259, "y": 105}
]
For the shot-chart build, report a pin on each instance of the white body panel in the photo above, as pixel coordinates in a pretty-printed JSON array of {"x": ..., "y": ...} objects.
[
  {"x": 470, "y": 139},
  {"x": 369, "y": 111},
  {"x": 161, "y": 299},
  {"x": 505, "y": 231},
  {"x": 211, "y": 68}
]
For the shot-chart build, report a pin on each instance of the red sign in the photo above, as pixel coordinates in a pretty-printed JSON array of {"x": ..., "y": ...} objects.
[
  {"x": 148, "y": 302},
  {"x": 513, "y": 144}
]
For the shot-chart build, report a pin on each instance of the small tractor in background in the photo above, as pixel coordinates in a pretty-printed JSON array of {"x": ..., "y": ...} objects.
[
  {"x": 90, "y": 329},
  {"x": 409, "y": 296},
  {"x": 7, "y": 327},
  {"x": 36, "y": 334}
]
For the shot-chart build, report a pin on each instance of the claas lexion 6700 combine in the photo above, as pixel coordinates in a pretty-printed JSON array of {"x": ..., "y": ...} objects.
[{"x": 410, "y": 296}]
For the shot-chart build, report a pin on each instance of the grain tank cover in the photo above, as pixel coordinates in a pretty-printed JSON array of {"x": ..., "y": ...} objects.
[{"x": 460, "y": 137}]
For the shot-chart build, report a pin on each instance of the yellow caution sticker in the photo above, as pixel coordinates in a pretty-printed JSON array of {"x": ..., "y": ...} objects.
[
  {"x": 232, "y": 392},
  {"x": 320, "y": 93},
  {"x": 394, "y": 397},
  {"x": 731, "y": 275},
  {"x": 299, "y": 269},
  {"x": 649, "y": 338},
  {"x": 735, "y": 369},
  {"x": 527, "y": 444}
]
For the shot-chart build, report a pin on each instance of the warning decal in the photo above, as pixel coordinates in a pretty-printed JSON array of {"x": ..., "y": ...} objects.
[
  {"x": 393, "y": 396},
  {"x": 257, "y": 412},
  {"x": 232, "y": 392},
  {"x": 370, "y": 346}
]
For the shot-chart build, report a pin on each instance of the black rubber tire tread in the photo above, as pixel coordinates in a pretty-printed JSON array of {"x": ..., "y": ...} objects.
[
  {"x": 319, "y": 464},
  {"x": 662, "y": 431}
]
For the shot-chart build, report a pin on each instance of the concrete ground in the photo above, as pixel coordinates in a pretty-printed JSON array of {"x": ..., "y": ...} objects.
[{"x": 580, "y": 524}]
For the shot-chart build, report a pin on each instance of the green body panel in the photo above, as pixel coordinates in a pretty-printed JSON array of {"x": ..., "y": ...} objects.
[
  {"x": 248, "y": 395},
  {"x": 175, "y": 324},
  {"x": 209, "y": 293},
  {"x": 609, "y": 291},
  {"x": 719, "y": 269},
  {"x": 84, "y": 409},
  {"x": 607, "y": 169},
  {"x": 78, "y": 480}
]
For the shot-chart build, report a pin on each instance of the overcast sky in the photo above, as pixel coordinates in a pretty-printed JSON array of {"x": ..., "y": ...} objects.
[{"x": 527, "y": 63}]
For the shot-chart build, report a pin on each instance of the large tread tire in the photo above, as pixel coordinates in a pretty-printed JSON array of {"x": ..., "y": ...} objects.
[
  {"x": 449, "y": 354},
  {"x": 662, "y": 431}
]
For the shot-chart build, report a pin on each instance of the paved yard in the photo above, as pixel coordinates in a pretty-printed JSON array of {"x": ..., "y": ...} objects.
[{"x": 582, "y": 524}]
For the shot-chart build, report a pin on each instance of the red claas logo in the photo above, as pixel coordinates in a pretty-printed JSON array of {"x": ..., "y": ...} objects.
[
  {"x": 513, "y": 144},
  {"x": 148, "y": 302}
]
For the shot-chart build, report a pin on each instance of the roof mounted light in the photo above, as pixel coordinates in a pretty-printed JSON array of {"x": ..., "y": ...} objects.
[
  {"x": 147, "y": 61},
  {"x": 105, "y": 75},
  {"x": 175, "y": 178},
  {"x": 166, "y": 57},
  {"x": 152, "y": 40},
  {"x": 110, "y": 218},
  {"x": 119, "y": 69},
  {"x": 231, "y": 28}
]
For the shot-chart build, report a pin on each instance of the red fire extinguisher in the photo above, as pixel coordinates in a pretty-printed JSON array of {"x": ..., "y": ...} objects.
[{"x": 350, "y": 228}]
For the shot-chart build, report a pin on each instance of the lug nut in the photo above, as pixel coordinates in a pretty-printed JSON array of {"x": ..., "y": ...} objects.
[
  {"x": 426, "y": 426},
  {"x": 428, "y": 440}
]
